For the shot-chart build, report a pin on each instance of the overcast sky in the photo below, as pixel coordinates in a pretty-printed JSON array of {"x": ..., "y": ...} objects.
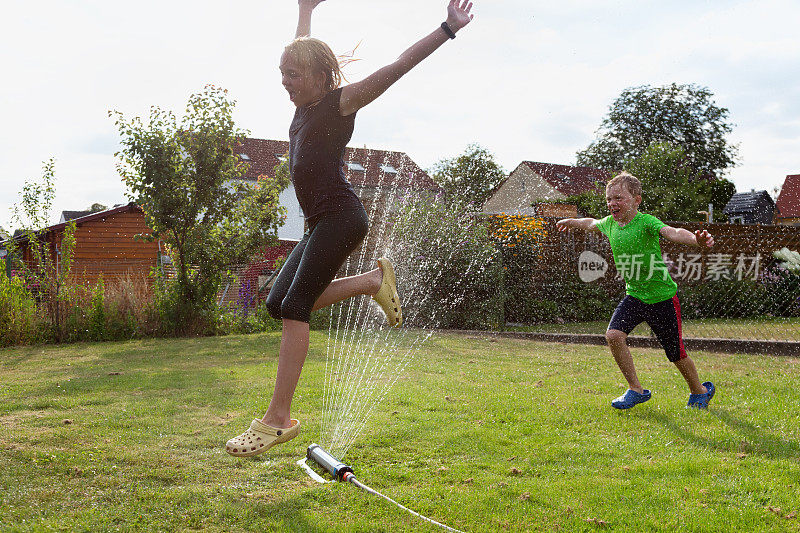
[{"x": 528, "y": 79}]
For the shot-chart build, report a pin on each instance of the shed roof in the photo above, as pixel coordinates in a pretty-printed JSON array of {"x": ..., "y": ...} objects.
[
  {"x": 788, "y": 203},
  {"x": 22, "y": 236}
]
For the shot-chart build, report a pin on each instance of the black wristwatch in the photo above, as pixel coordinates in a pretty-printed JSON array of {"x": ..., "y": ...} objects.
[{"x": 450, "y": 33}]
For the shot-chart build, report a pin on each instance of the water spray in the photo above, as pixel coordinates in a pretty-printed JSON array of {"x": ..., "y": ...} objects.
[{"x": 343, "y": 472}]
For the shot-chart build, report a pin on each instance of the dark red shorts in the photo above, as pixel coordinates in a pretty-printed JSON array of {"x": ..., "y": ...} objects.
[{"x": 664, "y": 318}]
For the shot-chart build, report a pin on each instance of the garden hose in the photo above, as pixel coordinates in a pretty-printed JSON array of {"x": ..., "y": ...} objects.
[{"x": 342, "y": 472}]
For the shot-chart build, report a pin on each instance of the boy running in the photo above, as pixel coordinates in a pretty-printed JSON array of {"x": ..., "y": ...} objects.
[{"x": 651, "y": 293}]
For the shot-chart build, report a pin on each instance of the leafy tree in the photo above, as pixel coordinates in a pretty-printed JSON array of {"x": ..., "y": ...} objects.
[
  {"x": 49, "y": 264},
  {"x": 185, "y": 177},
  {"x": 589, "y": 203},
  {"x": 470, "y": 177},
  {"x": 681, "y": 115},
  {"x": 671, "y": 189},
  {"x": 33, "y": 211}
]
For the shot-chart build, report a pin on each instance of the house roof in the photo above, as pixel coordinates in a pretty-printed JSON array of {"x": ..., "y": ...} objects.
[
  {"x": 569, "y": 180},
  {"x": 788, "y": 203},
  {"x": 747, "y": 202},
  {"x": 72, "y": 215},
  {"x": 22, "y": 237},
  {"x": 262, "y": 155}
]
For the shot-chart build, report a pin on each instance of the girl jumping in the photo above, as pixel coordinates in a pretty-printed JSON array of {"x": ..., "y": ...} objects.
[{"x": 337, "y": 222}]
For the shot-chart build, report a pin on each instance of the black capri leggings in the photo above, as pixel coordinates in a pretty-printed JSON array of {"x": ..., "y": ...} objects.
[{"x": 313, "y": 263}]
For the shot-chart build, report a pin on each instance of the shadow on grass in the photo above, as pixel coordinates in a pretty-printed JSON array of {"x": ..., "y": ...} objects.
[
  {"x": 16, "y": 356},
  {"x": 288, "y": 515},
  {"x": 88, "y": 384},
  {"x": 757, "y": 441}
]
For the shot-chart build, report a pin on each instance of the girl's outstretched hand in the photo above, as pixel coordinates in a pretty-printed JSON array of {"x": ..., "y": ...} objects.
[{"x": 458, "y": 14}]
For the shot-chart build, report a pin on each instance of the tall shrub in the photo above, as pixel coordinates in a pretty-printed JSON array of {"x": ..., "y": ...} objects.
[
  {"x": 518, "y": 239},
  {"x": 49, "y": 266},
  {"x": 18, "y": 319},
  {"x": 449, "y": 276}
]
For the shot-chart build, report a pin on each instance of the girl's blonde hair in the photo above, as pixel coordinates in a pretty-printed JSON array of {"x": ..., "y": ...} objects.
[
  {"x": 629, "y": 181},
  {"x": 317, "y": 58}
]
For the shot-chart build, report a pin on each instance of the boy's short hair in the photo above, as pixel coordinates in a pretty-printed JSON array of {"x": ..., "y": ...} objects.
[{"x": 629, "y": 181}]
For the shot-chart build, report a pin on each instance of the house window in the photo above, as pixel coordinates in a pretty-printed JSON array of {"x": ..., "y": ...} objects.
[
  {"x": 737, "y": 220},
  {"x": 352, "y": 165},
  {"x": 244, "y": 157},
  {"x": 389, "y": 169}
]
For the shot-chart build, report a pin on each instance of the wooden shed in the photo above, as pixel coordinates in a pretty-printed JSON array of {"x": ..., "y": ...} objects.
[{"x": 105, "y": 244}]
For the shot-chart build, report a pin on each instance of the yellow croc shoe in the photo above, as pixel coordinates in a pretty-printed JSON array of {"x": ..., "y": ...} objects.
[
  {"x": 387, "y": 296},
  {"x": 260, "y": 437}
]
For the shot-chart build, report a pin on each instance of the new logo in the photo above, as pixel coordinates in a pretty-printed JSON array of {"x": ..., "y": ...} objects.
[{"x": 591, "y": 266}]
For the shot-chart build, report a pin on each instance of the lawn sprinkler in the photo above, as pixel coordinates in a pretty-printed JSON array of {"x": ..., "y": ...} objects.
[
  {"x": 342, "y": 472},
  {"x": 335, "y": 467}
]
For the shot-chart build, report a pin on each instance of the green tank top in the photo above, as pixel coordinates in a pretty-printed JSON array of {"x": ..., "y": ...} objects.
[{"x": 637, "y": 256}]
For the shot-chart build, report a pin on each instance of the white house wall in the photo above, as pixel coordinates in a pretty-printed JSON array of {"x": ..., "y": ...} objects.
[{"x": 293, "y": 228}]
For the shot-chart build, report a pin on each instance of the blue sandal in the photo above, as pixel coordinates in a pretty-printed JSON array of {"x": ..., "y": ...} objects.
[
  {"x": 700, "y": 401},
  {"x": 630, "y": 398}
]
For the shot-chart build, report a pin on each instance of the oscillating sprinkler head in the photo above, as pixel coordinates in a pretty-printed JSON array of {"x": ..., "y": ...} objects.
[{"x": 330, "y": 463}]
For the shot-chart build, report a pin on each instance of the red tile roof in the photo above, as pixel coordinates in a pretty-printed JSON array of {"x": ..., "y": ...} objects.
[
  {"x": 570, "y": 180},
  {"x": 788, "y": 203},
  {"x": 263, "y": 157},
  {"x": 262, "y": 154}
]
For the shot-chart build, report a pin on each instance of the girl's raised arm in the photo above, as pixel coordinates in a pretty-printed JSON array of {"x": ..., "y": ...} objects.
[
  {"x": 304, "y": 17},
  {"x": 357, "y": 95}
]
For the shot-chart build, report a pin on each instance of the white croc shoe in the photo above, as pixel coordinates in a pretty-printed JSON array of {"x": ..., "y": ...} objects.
[
  {"x": 387, "y": 296},
  {"x": 260, "y": 437}
]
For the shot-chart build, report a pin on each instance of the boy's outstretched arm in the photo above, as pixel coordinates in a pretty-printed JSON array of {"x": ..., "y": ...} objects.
[
  {"x": 304, "y": 17},
  {"x": 683, "y": 236},
  {"x": 357, "y": 95},
  {"x": 588, "y": 224}
]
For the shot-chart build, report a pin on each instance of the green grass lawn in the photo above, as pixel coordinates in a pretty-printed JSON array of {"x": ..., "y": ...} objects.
[
  {"x": 767, "y": 328},
  {"x": 480, "y": 434}
]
